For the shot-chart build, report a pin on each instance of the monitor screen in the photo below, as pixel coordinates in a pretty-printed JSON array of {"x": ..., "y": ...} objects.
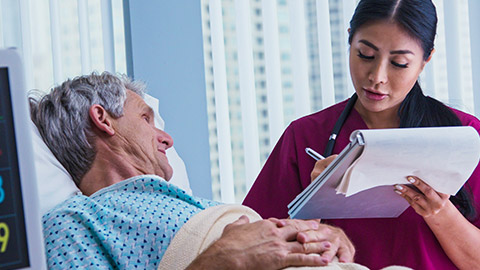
[
  {"x": 13, "y": 242},
  {"x": 21, "y": 239}
]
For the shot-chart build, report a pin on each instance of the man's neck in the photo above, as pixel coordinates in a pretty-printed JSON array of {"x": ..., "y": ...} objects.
[{"x": 107, "y": 169}]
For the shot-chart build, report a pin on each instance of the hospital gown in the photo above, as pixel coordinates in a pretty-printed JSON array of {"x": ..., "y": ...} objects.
[{"x": 128, "y": 225}]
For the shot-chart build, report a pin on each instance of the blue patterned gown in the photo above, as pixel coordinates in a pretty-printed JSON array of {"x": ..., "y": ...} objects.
[{"x": 128, "y": 225}]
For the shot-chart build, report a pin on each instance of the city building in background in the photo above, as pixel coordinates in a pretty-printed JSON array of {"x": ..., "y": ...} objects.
[
  {"x": 62, "y": 39},
  {"x": 435, "y": 85},
  {"x": 49, "y": 35},
  {"x": 341, "y": 78}
]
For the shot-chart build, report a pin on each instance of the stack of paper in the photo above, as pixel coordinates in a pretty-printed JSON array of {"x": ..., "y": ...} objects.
[{"x": 359, "y": 182}]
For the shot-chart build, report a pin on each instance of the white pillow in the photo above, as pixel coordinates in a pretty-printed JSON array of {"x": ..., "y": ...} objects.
[
  {"x": 180, "y": 176},
  {"x": 55, "y": 184}
]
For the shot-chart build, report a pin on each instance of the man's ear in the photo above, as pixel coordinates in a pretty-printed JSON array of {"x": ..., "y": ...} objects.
[{"x": 101, "y": 119}]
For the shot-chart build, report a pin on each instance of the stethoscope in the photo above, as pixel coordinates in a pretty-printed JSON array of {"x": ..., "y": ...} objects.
[{"x": 338, "y": 125}]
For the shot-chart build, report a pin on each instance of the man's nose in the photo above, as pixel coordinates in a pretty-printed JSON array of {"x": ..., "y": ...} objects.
[{"x": 165, "y": 138}]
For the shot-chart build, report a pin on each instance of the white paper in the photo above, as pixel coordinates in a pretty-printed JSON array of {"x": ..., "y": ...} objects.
[{"x": 443, "y": 157}]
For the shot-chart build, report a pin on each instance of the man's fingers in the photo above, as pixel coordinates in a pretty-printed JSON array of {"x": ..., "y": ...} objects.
[
  {"x": 298, "y": 259},
  {"x": 321, "y": 234},
  {"x": 240, "y": 221},
  {"x": 307, "y": 248},
  {"x": 294, "y": 226},
  {"x": 303, "y": 225},
  {"x": 329, "y": 254},
  {"x": 345, "y": 255}
]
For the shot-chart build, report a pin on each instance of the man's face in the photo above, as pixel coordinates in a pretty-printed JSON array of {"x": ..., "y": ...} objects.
[{"x": 142, "y": 144}]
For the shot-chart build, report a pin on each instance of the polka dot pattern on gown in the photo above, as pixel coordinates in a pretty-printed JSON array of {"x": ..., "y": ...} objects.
[{"x": 128, "y": 225}]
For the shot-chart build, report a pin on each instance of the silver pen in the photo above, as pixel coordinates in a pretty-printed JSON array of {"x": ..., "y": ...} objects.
[{"x": 313, "y": 154}]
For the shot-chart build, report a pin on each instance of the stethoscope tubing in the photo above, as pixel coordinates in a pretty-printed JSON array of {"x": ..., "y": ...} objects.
[{"x": 339, "y": 124}]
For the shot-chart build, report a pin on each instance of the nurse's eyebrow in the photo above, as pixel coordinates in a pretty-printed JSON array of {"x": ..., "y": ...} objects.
[
  {"x": 402, "y": 52},
  {"x": 369, "y": 44}
]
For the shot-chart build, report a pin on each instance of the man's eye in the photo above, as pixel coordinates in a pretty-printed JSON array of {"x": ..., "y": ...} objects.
[
  {"x": 399, "y": 65},
  {"x": 364, "y": 56}
]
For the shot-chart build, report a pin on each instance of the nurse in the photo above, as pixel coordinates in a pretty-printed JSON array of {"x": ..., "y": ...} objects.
[{"x": 391, "y": 41}]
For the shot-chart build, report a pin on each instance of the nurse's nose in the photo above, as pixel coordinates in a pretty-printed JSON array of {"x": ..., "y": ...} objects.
[{"x": 378, "y": 74}]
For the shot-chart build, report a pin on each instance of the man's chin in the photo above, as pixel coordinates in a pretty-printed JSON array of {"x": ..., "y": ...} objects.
[{"x": 168, "y": 174}]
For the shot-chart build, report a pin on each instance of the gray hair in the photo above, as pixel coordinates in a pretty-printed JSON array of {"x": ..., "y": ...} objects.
[{"x": 62, "y": 116}]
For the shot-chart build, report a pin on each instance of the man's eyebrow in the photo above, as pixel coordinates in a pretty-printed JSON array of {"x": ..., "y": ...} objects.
[{"x": 149, "y": 110}]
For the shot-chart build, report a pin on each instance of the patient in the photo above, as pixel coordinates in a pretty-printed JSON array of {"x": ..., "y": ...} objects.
[{"x": 103, "y": 133}]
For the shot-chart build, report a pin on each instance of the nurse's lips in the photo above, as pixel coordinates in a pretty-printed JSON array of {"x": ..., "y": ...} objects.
[{"x": 372, "y": 94}]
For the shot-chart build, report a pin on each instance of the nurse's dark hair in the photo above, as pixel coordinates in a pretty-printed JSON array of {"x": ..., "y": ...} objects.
[{"x": 419, "y": 19}]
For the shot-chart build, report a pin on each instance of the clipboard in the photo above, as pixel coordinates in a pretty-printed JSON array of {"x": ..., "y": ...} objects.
[
  {"x": 448, "y": 157},
  {"x": 320, "y": 199}
]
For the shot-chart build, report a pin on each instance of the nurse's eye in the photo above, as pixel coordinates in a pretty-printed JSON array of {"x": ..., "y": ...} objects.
[
  {"x": 399, "y": 65},
  {"x": 363, "y": 56},
  {"x": 146, "y": 118}
]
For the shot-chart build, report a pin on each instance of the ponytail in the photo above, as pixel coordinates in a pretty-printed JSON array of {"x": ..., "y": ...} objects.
[{"x": 418, "y": 110}]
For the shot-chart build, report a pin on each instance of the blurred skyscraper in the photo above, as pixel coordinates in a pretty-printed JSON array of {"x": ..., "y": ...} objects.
[
  {"x": 340, "y": 77},
  {"x": 342, "y": 81}
]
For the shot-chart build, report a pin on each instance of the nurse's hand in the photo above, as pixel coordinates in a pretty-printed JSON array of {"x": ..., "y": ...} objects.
[
  {"x": 423, "y": 198},
  {"x": 320, "y": 166}
]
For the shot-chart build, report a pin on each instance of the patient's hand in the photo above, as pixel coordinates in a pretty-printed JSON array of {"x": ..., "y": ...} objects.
[
  {"x": 265, "y": 244},
  {"x": 334, "y": 239},
  {"x": 320, "y": 166}
]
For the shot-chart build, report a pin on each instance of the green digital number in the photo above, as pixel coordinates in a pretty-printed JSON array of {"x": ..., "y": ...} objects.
[
  {"x": 4, "y": 235},
  {"x": 2, "y": 192}
]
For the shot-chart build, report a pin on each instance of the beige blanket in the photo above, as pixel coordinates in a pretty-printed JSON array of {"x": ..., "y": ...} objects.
[{"x": 207, "y": 226}]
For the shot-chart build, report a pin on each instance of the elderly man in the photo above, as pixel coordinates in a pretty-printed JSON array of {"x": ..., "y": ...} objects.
[{"x": 103, "y": 133}]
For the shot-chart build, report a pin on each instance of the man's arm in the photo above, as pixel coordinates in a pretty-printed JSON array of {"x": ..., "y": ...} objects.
[{"x": 270, "y": 244}]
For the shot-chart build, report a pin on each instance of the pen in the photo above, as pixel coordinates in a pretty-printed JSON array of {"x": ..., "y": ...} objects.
[{"x": 313, "y": 154}]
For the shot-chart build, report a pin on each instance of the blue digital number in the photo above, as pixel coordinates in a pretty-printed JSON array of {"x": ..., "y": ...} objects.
[{"x": 2, "y": 192}]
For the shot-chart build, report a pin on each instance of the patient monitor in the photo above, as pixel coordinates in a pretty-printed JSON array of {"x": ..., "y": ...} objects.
[{"x": 21, "y": 238}]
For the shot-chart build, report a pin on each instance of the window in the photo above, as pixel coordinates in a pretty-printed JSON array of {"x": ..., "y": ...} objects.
[
  {"x": 62, "y": 39},
  {"x": 307, "y": 63}
]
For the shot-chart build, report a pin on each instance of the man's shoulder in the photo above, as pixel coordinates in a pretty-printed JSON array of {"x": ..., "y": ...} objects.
[
  {"x": 150, "y": 188},
  {"x": 71, "y": 204}
]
